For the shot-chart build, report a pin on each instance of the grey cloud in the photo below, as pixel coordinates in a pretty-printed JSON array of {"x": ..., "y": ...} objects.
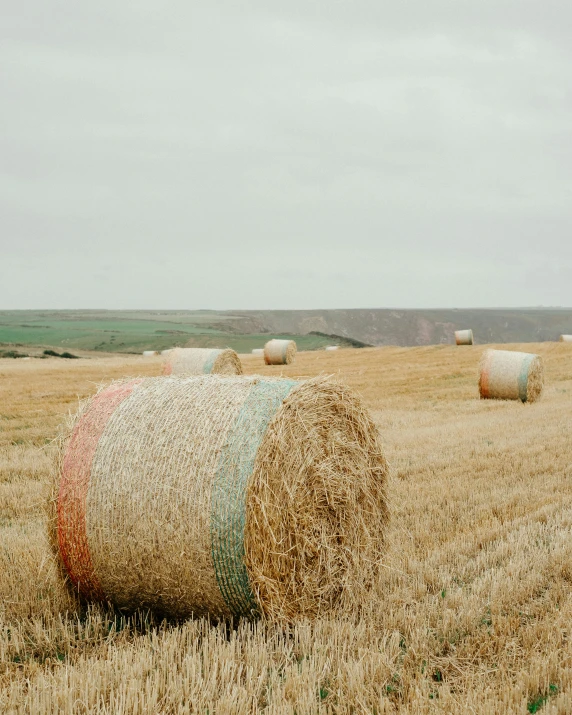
[{"x": 285, "y": 155}]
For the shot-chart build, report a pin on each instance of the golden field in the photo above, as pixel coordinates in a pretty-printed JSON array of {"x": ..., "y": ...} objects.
[{"x": 473, "y": 610}]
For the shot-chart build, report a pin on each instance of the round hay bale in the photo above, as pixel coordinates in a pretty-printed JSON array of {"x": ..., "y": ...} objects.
[
  {"x": 202, "y": 361},
  {"x": 332, "y": 347},
  {"x": 227, "y": 496},
  {"x": 258, "y": 351},
  {"x": 464, "y": 337},
  {"x": 511, "y": 375},
  {"x": 150, "y": 353},
  {"x": 165, "y": 352},
  {"x": 566, "y": 338},
  {"x": 279, "y": 352}
]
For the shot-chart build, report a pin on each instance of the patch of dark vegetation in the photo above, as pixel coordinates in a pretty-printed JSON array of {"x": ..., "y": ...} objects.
[
  {"x": 340, "y": 340},
  {"x": 537, "y": 702},
  {"x": 12, "y": 354},
  {"x": 53, "y": 353}
]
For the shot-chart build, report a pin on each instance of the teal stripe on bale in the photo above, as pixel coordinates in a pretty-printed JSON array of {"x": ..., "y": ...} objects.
[
  {"x": 523, "y": 377},
  {"x": 210, "y": 361},
  {"x": 228, "y": 500}
]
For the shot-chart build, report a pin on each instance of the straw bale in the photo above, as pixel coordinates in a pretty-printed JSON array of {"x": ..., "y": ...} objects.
[
  {"x": 223, "y": 495},
  {"x": 464, "y": 337},
  {"x": 279, "y": 352},
  {"x": 202, "y": 361},
  {"x": 332, "y": 347},
  {"x": 150, "y": 353},
  {"x": 566, "y": 338},
  {"x": 511, "y": 375},
  {"x": 258, "y": 351}
]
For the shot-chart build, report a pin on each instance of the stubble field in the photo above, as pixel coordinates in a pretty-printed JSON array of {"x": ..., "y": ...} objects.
[{"x": 473, "y": 610}]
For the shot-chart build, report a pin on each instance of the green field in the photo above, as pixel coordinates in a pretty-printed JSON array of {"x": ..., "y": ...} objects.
[{"x": 134, "y": 331}]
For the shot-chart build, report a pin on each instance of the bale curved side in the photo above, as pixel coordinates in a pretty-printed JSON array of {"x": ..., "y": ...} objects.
[
  {"x": 279, "y": 352},
  {"x": 464, "y": 337},
  {"x": 202, "y": 361},
  {"x": 164, "y": 479},
  {"x": 511, "y": 375}
]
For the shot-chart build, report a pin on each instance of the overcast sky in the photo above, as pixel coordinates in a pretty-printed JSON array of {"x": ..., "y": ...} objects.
[{"x": 299, "y": 154}]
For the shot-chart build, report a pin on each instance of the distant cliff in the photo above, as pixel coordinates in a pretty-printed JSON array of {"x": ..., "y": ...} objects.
[{"x": 380, "y": 326}]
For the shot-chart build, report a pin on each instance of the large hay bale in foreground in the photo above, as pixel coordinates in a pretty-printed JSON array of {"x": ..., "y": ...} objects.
[
  {"x": 464, "y": 337},
  {"x": 202, "y": 361},
  {"x": 511, "y": 375},
  {"x": 226, "y": 496},
  {"x": 279, "y": 352},
  {"x": 566, "y": 338}
]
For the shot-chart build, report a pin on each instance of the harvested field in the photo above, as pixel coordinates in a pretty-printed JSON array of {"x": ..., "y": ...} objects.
[{"x": 473, "y": 610}]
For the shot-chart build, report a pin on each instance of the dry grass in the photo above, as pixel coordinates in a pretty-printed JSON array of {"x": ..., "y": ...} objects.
[{"x": 472, "y": 614}]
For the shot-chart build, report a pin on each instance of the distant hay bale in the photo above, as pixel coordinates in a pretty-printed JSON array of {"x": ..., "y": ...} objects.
[
  {"x": 566, "y": 338},
  {"x": 258, "y": 351},
  {"x": 202, "y": 361},
  {"x": 165, "y": 352},
  {"x": 511, "y": 375},
  {"x": 464, "y": 337},
  {"x": 332, "y": 347},
  {"x": 279, "y": 352},
  {"x": 150, "y": 353},
  {"x": 227, "y": 496}
]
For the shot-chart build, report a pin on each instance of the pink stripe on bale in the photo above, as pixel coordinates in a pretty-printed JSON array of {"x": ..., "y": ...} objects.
[{"x": 74, "y": 486}]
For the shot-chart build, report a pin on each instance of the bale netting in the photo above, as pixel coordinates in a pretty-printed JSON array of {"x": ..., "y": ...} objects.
[
  {"x": 222, "y": 495},
  {"x": 566, "y": 338},
  {"x": 464, "y": 337},
  {"x": 279, "y": 352},
  {"x": 202, "y": 361},
  {"x": 511, "y": 375}
]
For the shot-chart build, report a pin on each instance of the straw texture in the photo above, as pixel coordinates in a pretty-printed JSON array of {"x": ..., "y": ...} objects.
[
  {"x": 228, "y": 496},
  {"x": 202, "y": 361},
  {"x": 464, "y": 337},
  {"x": 279, "y": 352},
  {"x": 566, "y": 338},
  {"x": 511, "y": 375}
]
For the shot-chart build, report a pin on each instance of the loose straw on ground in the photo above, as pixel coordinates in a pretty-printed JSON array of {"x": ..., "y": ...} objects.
[
  {"x": 464, "y": 337},
  {"x": 279, "y": 352},
  {"x": 228, "y": 496},
  {"x": 202, "y": 361},
  {"x": 511, "y": 375}
]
